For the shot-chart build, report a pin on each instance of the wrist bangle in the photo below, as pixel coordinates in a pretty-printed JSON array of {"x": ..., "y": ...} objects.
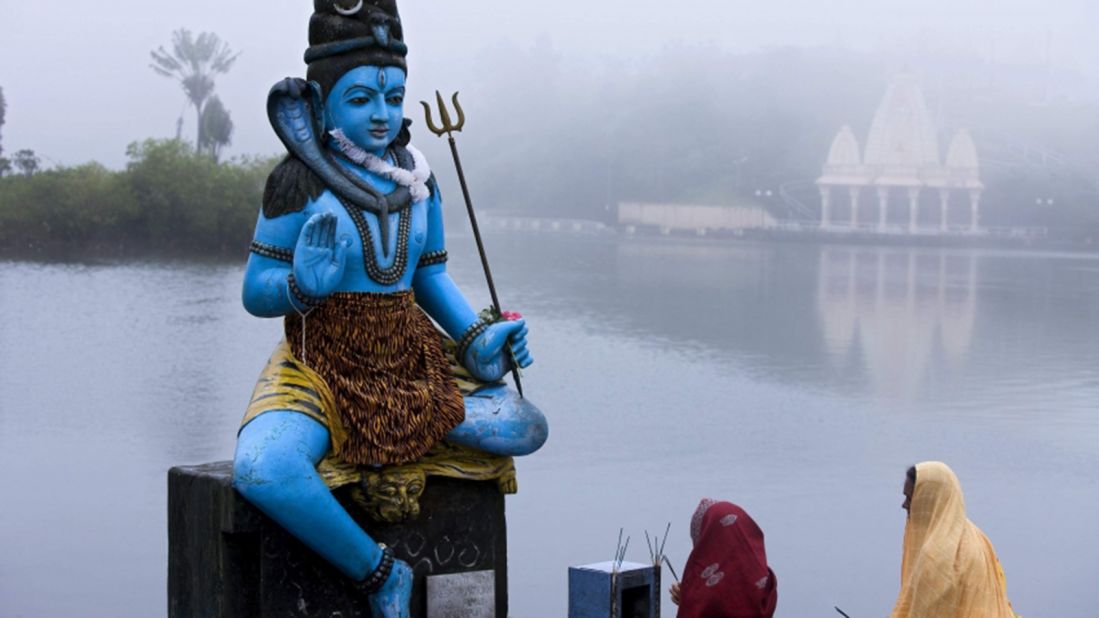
[
  {"x": 467, "y": 337},
  {"x": 301, "y": 297}
]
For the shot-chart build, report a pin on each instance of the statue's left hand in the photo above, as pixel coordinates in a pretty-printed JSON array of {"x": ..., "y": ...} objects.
[{"x": 486, "y": 359}]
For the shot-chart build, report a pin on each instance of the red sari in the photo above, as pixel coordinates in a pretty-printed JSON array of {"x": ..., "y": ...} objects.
[{"x": 726, "y": 574}]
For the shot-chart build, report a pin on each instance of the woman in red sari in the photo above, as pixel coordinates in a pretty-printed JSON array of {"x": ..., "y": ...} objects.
[{"x": 726, "y": 574}]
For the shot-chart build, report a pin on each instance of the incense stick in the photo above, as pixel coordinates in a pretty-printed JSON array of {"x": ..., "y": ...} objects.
[
  {"x": 617, "y": 550},
  {"x": 622, "y": 555},
  {"x": 670, "y": 567},
  {"x": 665, "y": 540}
]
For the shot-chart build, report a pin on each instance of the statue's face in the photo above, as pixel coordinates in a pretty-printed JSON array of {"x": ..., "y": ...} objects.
[{"x": 367, "y": 104}]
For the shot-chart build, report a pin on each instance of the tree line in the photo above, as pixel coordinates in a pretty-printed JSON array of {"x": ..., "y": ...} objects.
[
  {"x": 169, "y": 198},
  {"x": 172, "y": 195}
]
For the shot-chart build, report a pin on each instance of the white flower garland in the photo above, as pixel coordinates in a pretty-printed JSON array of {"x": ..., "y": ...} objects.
[{"x": 415, "y": 180}]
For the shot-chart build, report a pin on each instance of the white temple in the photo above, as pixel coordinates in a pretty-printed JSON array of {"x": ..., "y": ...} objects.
[{"x": 902, "y": 157}]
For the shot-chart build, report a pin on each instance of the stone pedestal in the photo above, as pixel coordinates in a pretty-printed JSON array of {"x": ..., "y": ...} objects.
[{"x": 228, "y": 560}]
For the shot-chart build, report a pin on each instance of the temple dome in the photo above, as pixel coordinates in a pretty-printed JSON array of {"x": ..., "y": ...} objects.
[
  {"x": 902, "y": 134},
  {"x": 962, "y": 165},
  {"x": 845, "y": 149},
  {"x": 844, "y": 166},
  {"x": 962, "y": 154}
]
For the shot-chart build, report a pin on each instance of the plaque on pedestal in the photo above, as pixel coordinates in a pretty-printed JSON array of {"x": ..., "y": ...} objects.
[{"x": 461, "y": 595}]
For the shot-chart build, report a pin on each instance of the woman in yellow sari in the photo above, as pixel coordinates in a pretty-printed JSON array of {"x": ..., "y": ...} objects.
[{"x": 949, "y": 568}]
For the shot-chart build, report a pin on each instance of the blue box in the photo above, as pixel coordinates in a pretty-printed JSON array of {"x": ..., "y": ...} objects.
[{"x": 596, "y": 592}]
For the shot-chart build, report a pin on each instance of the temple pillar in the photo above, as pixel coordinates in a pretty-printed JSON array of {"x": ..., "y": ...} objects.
[
  {"x": 913, "y": 209},
  {"x": 974, "y": 209},
  {"x": 825, "y": 207},
  {"x": 853, "y": 192},
  {"x": 944, "y": 206},
  {"x": 883, "y": 207}
]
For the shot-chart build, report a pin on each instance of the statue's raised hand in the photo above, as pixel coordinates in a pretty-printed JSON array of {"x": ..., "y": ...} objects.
[
  {"x": 319, "y": 257},
  {"x": 486, "y": 358}
]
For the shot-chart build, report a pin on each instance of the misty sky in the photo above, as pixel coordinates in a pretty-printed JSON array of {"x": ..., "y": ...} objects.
[{"x": 78, "y": 85}]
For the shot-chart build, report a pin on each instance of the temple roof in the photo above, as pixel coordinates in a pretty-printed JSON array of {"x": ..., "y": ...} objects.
[
  {"x": 902, "y": 149},
  {"x": 845, "y": 149},
  {"x": 962, "y": 164},
  {"x": 902, "y": 133},
  {"x": 844, "y": 166},
  {"x": 962, "y": 154}
]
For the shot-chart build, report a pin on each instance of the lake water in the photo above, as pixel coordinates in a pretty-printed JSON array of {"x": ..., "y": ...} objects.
[{"x": 798, "y": 381}]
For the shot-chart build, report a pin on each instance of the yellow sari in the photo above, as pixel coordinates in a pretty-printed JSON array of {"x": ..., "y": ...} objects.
[{"x": 949, "y": 568}]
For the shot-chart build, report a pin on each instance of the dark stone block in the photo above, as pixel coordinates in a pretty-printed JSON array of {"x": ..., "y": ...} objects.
[{"x": 228, "y": 560}]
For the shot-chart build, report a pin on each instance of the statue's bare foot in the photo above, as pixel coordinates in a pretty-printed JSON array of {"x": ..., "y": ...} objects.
[{"x": 391, "y": 600}]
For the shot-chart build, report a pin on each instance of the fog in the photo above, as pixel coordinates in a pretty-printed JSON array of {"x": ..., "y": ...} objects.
[
  {"x": 79, "y": 88},
  {"x": 572, "y": 107}
]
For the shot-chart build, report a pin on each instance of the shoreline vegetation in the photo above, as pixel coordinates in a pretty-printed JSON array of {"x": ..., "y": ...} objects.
[{"x": 168, "y": 201}]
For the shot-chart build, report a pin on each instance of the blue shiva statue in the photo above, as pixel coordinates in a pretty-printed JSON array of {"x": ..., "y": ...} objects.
[{"x": 349, "y": 249}]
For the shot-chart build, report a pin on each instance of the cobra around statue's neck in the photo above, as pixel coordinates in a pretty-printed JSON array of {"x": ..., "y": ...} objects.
[{"x": 366, "y": 106}]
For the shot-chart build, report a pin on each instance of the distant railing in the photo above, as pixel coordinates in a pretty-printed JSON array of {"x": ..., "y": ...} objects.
[
  {"x": 786, "y": 192},
  {"x": 796, "y": 226},
  {"x": 891, "y": 229},
  {"x": 543, "y": 224}
]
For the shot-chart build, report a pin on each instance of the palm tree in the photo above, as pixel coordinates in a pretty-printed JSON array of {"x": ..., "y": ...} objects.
[
  {"x": 217, "y": 127},
  {"x": 194, "y": 61}
]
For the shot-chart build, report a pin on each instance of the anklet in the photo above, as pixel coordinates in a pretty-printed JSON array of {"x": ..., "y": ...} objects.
[{"x": 377, "y": 579}]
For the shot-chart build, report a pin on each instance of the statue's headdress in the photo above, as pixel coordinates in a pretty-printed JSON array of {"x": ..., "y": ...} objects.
[{"x": 344, "y": 34}]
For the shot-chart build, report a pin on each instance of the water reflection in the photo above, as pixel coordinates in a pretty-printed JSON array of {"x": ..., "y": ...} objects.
[
  {"x": 747, "y": 302},
  {"x": 894, "y": 311}
]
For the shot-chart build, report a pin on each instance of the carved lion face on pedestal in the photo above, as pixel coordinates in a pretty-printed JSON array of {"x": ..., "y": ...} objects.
[{"x": 392, "y": 496}]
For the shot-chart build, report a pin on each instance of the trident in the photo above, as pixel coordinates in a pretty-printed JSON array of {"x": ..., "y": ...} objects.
[{"x": 449, "y": 128}]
